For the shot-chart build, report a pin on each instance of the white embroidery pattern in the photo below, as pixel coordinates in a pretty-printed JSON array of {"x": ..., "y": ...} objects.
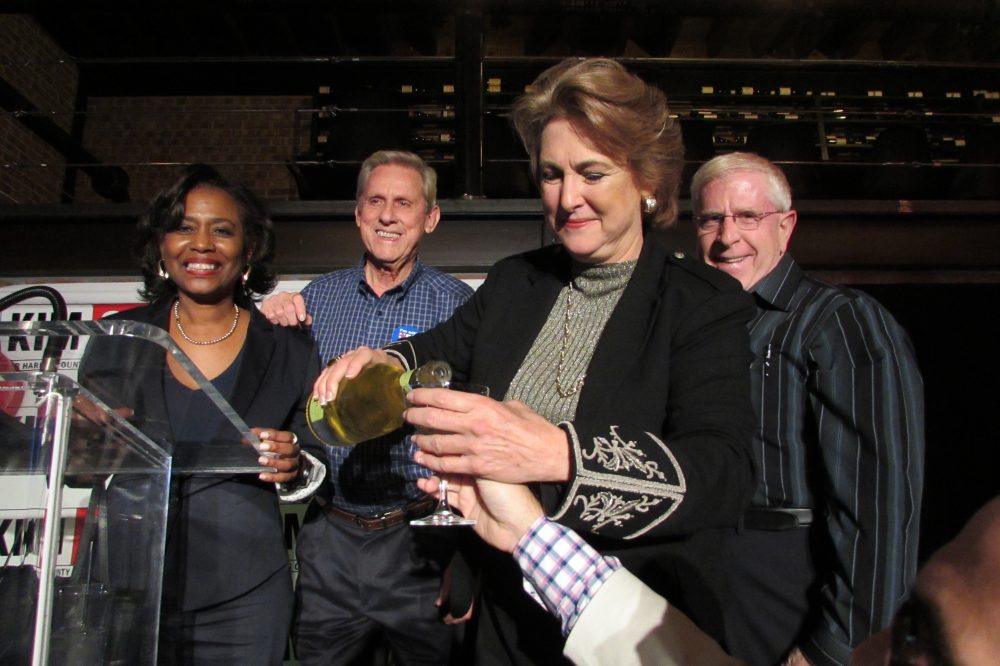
[
  {"x": 621, "y": 464},
  {"x": 618, "y": 455},
  {"x": 608, "y": 508}
]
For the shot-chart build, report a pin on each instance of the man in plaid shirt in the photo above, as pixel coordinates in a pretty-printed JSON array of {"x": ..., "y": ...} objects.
[{"x": 363, "y": 572}]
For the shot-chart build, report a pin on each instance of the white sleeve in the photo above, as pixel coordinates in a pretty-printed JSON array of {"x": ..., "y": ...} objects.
[{"x": 627, "y": 624}]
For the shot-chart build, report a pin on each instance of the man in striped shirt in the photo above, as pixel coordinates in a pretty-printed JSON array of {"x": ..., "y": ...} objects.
[
  {"x": 363, "y": 571},
  {"x": 829, "y": 546}
]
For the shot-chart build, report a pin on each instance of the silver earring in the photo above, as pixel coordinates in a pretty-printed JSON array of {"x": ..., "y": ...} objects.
[
  {"x": 246, "y": 275},
  {"x": 648, "y": 204},
  {"x": 162, "y": 272}
]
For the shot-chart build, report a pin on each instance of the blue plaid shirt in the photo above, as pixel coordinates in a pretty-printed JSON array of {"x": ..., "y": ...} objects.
[{"x": 378, "y": 475}]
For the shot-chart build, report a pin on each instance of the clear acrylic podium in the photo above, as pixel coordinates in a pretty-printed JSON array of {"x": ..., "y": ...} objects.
[{"x": 85, "y": 468}]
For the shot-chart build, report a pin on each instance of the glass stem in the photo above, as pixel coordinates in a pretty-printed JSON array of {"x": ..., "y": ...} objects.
[{"x": 443, "y": 506}]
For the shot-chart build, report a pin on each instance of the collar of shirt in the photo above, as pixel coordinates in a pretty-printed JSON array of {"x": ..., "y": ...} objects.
[
  {"x": 777, "y": 288},
  {"x": 400, "y": 289}
]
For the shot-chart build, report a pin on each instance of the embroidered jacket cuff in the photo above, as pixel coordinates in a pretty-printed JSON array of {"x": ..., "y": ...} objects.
[{"x": 618, "y": 488}]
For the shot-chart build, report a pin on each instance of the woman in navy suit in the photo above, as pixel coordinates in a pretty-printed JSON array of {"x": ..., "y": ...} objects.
[{"x": 204, "y": 245}]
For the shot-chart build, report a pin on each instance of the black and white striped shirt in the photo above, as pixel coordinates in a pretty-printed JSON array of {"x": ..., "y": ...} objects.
[{"x": 840, "y": 406}]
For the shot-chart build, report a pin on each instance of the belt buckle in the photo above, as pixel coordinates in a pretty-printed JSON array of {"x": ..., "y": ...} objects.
[
  {"x": 379, "y": 521},
  {"x": 776, "y": 519},
  {"x": 382, "y": 519},
  {"x": 387, "y": 519}
]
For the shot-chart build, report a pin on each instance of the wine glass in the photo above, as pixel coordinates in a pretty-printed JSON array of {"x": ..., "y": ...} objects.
[{"x": 443, "y": 516}]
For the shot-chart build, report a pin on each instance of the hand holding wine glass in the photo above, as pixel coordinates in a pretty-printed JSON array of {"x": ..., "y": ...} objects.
[
  {"x": 502, "y": 512},
  {"x": 501, "y": 441},
  {"x": 375, "y": 398},
  {"x": 443, "y": 516}
]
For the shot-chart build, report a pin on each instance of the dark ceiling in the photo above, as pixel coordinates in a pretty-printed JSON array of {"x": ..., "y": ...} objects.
[
  {"x": 958, "y": 31},
  {"x": 858, "y": 48},
  {"x": 803, "y": 62}
]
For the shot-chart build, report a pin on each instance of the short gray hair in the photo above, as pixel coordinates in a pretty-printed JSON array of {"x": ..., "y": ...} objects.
[
  {"x": 428, "y": 175},
  {"x": 724, "y": 165}
]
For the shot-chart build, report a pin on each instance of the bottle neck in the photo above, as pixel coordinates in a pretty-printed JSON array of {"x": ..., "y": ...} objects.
[{"x": 433, "y": 374}]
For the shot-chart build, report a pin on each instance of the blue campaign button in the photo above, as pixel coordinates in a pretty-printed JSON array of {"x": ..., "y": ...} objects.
[{"x": 403, "y": 332}]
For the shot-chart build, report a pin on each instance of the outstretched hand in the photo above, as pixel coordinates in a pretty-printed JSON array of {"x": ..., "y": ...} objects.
[
  {"x": 503, "y": 512},
  {"x": 464, "y": 433}
]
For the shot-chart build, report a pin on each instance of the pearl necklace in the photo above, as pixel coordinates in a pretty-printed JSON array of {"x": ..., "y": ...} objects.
[
  {"x": 180, "y": 329},
  {"x": 562, "y": 390}
]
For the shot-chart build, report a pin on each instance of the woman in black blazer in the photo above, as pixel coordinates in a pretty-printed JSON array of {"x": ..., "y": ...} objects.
[
  {"x": 622, "y": 364},
  {"x": 205, "y": 244}
]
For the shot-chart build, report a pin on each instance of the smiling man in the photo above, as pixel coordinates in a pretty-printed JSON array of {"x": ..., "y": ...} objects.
[
  {"x": 829, "y": 545},
  {"x": 363, "y": 571}
]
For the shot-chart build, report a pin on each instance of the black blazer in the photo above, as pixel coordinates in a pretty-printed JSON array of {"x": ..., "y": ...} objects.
[
  {"x": 660, "y": 445},
  {"x": 661, "y": 438},
  {"x": 224, "y": 535}
]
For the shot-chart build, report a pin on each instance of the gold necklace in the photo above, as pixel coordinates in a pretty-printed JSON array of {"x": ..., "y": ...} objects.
[
  {"x": 563, "y": 391},
  {"x": 180, "y": 329}
]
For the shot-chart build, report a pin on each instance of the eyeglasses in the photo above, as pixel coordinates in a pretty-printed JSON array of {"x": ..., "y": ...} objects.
[{"x": 748, "y": 220}]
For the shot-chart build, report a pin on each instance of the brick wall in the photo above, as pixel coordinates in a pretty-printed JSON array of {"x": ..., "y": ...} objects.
[
  {"x": 247, "y": 138},
  {"x": 30, "y": 170},
  {"x": 39, "y": 69}
]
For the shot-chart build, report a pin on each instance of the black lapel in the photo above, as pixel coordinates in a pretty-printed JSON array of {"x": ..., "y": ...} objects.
[
  {"x": 524, "y": 317},
  {"x": 257, "y": 357},
  {"x": 148, "y": 368},
  {"x": 624, "y": 337}
]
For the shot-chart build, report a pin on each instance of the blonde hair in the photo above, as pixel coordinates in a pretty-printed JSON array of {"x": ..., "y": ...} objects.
[{"x": 623, "y": 116}]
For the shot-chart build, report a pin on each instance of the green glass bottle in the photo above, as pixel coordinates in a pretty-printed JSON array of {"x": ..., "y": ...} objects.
[{"x": 372, "y": 404}]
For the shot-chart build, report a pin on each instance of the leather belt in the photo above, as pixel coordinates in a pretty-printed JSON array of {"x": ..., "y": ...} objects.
[
  {"x": 380, "y": 521},
  {"x": 776, "y": 518}
]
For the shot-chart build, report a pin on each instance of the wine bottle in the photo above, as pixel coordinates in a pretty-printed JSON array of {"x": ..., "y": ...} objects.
[{"x": 372, "y": 403}]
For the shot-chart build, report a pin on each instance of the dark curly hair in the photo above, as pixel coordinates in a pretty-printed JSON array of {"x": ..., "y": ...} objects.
[
  {"x": 624, "y": 117},
  {"x": 165, "y": 213}
]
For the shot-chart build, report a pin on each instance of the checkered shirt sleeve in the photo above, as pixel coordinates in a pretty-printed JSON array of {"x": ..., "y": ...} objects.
[{"x": 563, "y": 568}]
